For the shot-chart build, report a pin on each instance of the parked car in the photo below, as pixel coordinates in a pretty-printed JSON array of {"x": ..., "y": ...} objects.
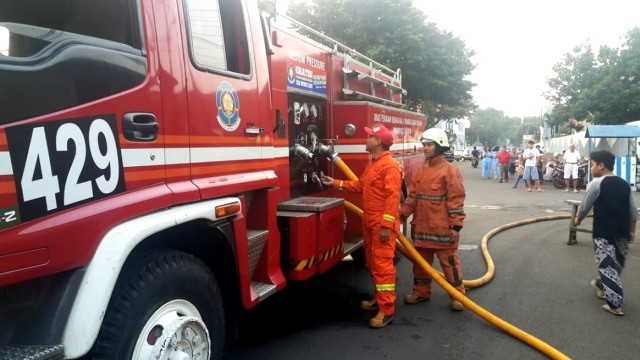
[
  {"x": 448, "y": 155},
  {"x": 461, "y": 155}
]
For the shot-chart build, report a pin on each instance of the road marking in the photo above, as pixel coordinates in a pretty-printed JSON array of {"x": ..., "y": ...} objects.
[{"x": 496, "y": 207}]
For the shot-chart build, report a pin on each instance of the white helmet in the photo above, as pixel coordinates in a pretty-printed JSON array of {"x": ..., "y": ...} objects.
[{"x": 436, "y": 135}]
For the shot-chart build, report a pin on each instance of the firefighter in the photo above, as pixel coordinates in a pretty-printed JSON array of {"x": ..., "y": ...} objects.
[
  {"x": 436, "y": 200},
  {"x": 380, "y": 185}
]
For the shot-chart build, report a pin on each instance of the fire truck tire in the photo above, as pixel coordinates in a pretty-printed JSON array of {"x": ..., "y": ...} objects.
[{"x": 166, "y": 291}]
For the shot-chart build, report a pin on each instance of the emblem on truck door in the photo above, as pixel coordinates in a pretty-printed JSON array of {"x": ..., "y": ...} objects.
[{"x": 228, "y": 106}]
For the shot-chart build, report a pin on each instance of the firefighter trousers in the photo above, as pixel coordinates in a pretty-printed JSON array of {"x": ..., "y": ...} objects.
[
  {"x": 379, "y": 261},
  {"x": 450, "y": 265}
]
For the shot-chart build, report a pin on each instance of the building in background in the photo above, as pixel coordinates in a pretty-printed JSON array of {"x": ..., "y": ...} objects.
[{"x": 457, "y": 128}]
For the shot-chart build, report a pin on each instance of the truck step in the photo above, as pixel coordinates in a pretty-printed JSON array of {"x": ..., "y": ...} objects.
[
  {"x": 352, "y": 243},
  {"x": 263, "y": 290},
  {"x": 256, "y": 241},
  {"x": 31, "y": 352}
]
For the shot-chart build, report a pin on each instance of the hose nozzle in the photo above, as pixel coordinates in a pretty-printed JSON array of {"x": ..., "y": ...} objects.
[
  {"x": 328, "y": 152},
  {"x": 301, "y": 151}
]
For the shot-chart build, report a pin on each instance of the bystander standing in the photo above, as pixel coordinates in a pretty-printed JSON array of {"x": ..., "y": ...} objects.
[
  {"x": 504, "y": 160},
  {"x": 531, "y": 156},
  {"x": 571, "y": 159},
  {"x": 614, "y": 227}
]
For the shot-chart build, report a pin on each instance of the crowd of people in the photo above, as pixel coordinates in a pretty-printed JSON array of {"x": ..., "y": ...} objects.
[
  {"x": 504, "y": 164},
  {"x": 527, "y": 165}
]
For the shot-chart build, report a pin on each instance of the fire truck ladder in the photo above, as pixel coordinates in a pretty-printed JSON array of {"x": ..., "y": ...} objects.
[
  {"x": 375, "y": 77},
  {"x": 359, "y": 67}
]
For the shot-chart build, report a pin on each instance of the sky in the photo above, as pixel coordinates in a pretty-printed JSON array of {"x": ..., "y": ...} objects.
[{"x": 518, "y": 42}]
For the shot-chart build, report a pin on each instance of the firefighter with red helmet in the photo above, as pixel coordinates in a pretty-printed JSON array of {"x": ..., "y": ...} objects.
[
  {"x": 436, "y": 200},
  {"x": 380, "y": 185}
]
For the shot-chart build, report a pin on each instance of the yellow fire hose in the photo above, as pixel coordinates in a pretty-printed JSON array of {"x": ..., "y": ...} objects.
[
  {"x": 407, "y": 249},
  {"x": 491, "y": 270}
]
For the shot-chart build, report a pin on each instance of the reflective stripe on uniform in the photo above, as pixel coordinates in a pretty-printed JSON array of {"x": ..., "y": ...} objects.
[
  {"x": 386, "y": 287},
  {"x": 432, "y": 237},
  {"x": 456, "y": 211},
  {"x": 388, "y": 218},
  {"x": 431, "y": 198}
]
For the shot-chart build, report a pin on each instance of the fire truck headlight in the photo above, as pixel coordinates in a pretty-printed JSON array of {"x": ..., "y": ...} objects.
[{"x": 349, "y": 130}]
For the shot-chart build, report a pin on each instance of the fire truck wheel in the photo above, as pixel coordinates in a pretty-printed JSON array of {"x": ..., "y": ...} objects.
[{"x": 166, "y": 306}]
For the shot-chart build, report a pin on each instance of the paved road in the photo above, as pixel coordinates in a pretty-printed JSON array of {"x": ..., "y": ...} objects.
[{"x": 541, "y": 286}]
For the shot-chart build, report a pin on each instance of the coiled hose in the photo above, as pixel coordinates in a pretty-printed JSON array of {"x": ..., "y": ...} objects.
[{"x": 407, "y": 249}]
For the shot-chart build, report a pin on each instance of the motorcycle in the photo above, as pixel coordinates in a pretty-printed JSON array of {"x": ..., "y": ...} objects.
[
  {"x": 558, "y": 176},
  {"x": 549, "y": 169},
  {"x": 474, "y": 162}
]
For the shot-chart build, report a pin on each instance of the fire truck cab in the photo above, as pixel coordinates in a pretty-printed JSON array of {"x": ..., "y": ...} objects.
[{"x": 160, "y": 166}]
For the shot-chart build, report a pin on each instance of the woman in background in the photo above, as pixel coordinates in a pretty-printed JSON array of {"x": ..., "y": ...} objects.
[
  {"x": 486, "y": 162},
  {"x": 494, "y": 162}
]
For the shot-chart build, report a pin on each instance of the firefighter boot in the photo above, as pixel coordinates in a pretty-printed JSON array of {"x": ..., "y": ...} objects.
[
  {"x": 414, "y": 299},
  {"x": 456, "y": 305},
  {"x": 380, "y": 320},
  {"x": 369, "y": 305}
]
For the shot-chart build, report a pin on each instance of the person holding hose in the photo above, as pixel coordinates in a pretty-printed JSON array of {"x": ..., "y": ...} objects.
[
  {"x": 436, "y": 200},
  {"x": 380, "y": 185}
]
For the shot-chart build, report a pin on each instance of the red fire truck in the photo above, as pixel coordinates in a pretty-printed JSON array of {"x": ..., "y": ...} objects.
[{"x": 159, "y": 169}]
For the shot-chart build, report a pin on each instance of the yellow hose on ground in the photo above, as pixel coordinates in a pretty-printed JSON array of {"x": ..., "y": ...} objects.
[
  {"x": 415, "y": 257},
  {"x": 491, "y": 270}
]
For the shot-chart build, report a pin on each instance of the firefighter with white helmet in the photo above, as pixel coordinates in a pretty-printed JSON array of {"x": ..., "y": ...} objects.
[
  {"x": 437, "y": 136},
  {"x": 436, "y": 200}
]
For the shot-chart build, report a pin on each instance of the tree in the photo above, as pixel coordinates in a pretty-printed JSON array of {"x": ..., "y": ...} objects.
[
  {"x": 492, "y": 127},
  {"x": 615, "y": 99},
  {"x": 600, "y": 89},
  {"x": 528, "y": 126},
  {"x": 434, "y": 63}
]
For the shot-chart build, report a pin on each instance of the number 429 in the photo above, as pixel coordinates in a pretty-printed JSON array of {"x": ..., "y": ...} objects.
[{"x": 47, "y": 186}]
